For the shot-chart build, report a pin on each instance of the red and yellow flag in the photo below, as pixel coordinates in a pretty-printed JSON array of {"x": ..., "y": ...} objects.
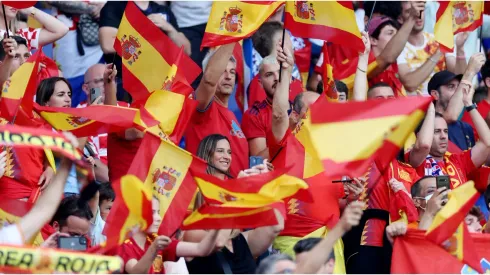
[
  {"x": 147, "y": 54},
  {"x": 302, "y": 58},
  {"x": 20, "y": 89},
  {"x": 89, "y": 121},
  {"x": 131, "y": 210},
  {"x": 467, "y": 15},
  {"x": 11, "y": 211},
  {"x": 333, "y": 21},
  {"x": 233, "y": 21},
  {"x": 443, "y": 30},
  {"x": 328, "y": 80},
  {"x": 164, "y": 167},
  {"x": 362, "y": 131}
]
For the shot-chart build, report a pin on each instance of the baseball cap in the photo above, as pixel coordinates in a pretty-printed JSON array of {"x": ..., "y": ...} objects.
[
  {"x": 376, "y": 22},
  {"x": 442, "y": 78}
]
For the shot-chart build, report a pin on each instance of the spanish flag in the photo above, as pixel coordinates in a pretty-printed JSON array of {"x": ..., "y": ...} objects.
[
  {"x": 443, "y": 30},
  {"x": 236, "y": 20},
  {"x": 468, "y": 15},
  {"x": 164, "y": 167},
  {"x": 328, "y": 81},
  {"x": 333, "y": 21},
  {"x": 89, "y": 121},
  {"x": 131, "y": 210},
  {"x": 147, "y": 54},
  {"x": 362, "y": 131},
  {"x": 448, "y": 228},
  {"x": 20, "y": 89},
  {"x": 11, "y": 211},
  {"x": 302, "y": 58}
]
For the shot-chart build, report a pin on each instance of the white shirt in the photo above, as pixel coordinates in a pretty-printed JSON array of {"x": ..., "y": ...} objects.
[
  {"x": 96, "y": 229},
  {"x": 191, "y": 13},
  {"x": 11, "y": 235}
]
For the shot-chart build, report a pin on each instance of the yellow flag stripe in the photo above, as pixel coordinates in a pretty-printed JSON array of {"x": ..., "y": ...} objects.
[
  {"x": 16, "y": 87},
  {"x": 169, "y": 115},
  {"x": 131, "y": 189},
  {"x": 196, "y": 216},
  {"x": 62, "y": 121}
]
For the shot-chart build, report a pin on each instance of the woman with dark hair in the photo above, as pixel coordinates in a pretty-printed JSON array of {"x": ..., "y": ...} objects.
[
  {"x": 54, "y": 92},
  {"x": 216, "y": 150}
]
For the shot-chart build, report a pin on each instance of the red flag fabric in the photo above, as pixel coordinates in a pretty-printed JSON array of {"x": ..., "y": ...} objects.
[
  {"x": 302, "y": 58},
  {"x": 48, "y": 67},
  {"x": 19, "y": 4},
  {"x": 408, "y": 257}
]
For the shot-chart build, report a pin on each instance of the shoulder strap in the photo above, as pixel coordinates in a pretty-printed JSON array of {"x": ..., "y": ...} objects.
[{"x": 224, "y": 263}]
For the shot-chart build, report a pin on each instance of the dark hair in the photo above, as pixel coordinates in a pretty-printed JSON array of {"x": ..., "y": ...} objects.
[
  {"x": 20, "y": 41},
  {"x": 480, "y": 94},
  {"x": 377, "y": 85},
  {"x": 416, "y": 188},
  {"x": 475, "y": 211},
  {"x": 392, "y": 9},
  {"x": 306, "y": 245},
  {"x": 485, "y": 71},
  {"x": 206, "y": 149},
  {"x": 72, "y": 206},
  {"x": 392, "y": 23},
  {"x": 262, "y": 38},
  {"x": 298, "y": 103},
  {"x": 486, "y": 196},
  {"x": 46, "y": 89},
  {"x": 339, "y": 85},
  {"x": 106, "y": 193}
]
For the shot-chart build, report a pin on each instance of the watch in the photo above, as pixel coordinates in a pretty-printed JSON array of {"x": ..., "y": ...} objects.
[{"x": 470, "y": 108}]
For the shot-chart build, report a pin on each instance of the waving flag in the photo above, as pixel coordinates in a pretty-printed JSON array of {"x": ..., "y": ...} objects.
[
  {"x": 328, "y": 81},
  {"x": 468, "y": 15},
  {"x": 11, "y": 211},
  {"x": 362, "y": 131},
  {"x": 443, "y": 30},
  {"x": 233, "y": 21},
  {"x": 164, "y": 167},
  {"x": 20, "y": 89},
  {"x": 408, "y": 259},
  {"x": 131, "y": 210},
  {"x": 302, "y": 58},
  {"x": 333, "y": 21},
  {"x": 147, "y": 54},
  {"x": 89, "y": 121}
]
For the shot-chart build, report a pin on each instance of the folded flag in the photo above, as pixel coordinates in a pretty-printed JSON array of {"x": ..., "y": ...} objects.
[
  {"x": 233, "y": 21},
  {"x": 333, "y": 21},
  {"x": 89, "y": 121},
  {"x": 20, "y": 89},
  {"x": 164, "y": 168},
  {"x": 362, "y": 131},
  {"x": 147, "y": 54},
  {"x": 130, "y": 212}
]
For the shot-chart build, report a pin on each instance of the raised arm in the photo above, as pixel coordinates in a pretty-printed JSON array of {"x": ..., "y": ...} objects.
[
  {"x": 457, "y": 64},
  {"x": 424, "y": 139},
  {"x": 110, "y": 88},
  {"x": 455, "y": 105},
  {"x": 201, "y": 249},
  {"x": 210, "y": 79},
  {"x": 9, "y": 47},
  {"x": 360, "y": 80},
  {"x": 319, "y": 255},
  {"x": 48, "y": 202},
  {"x": 280, "y": 102},
  {"x": 412, "y": 80},
  {"x": 395, "y": 46},
  {"x": 479, "y": 152},
  {"x": 73, "y": 7},
  {"x": 53, "y": 29},
  {"x": 261, "y": 238}
]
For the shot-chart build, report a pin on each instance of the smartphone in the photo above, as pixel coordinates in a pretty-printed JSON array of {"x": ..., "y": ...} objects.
[
  {"x": 255, "y": 160},
  {"x": 443, "y": 181},
  {"x": 78, "y": 243},
  {"x": 94, "y": 94}
]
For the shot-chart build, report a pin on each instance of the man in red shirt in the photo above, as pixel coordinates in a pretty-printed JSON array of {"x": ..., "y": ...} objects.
[
  {"x": 212, "y": 115},
  {"x": 484, "y": 106},
  {"x": 387, "y": 42}
]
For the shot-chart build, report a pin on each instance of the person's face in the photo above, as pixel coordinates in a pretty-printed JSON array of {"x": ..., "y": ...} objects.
[
  {"x": 75, "y": 226},
  {"x": 342, "y": 97},
  {"x": 105, "y": 208},
  {"x": 285, "y": 267},
  {"x": 385, "y": 35},
  {"x": 269, "y": 77},
  {"x": 20, "y": 57},
  {"x": 419, "y": 22},
  {"x": 440, "y": 139},
  {"x": 94, "y": 78},
  {"x": 473, "y": 224},
  {"x": 157, "y": 219},
  {"x": 226, "y": 82},
  {"x": 61, "y": 96},
  {"x": 10, "y": 12},
  {"x": 445, "y": 93},
  {"x": 222, "y": 155},
  {"x": 427, "y": 187},
  {"x": 381, "y": 92}
]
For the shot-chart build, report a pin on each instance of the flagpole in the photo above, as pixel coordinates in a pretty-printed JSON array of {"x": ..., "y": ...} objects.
[
  {"x": 481, "y": 40},
  {"x": 370, "y": 16},
  {"x": 282, "y": 47},
  {"x": 5, "y": 20}
]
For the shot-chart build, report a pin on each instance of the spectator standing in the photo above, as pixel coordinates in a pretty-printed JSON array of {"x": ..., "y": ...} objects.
[
  {"x": 79, "y": 48},
  {"x": 483, "y": 106}
]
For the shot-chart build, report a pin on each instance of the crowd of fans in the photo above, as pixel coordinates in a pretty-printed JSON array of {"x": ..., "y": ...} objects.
[{"x": 399, "y": 43}]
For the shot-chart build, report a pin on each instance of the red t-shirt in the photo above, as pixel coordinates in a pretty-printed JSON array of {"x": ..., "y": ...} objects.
[
  {"x": 457, "y": 166},
  {"x": 483, "y": 109},
  {"x": 256, "y": 92},
  {"x": 22, "y": 172},
  {"x": 217, "y": 119},
  {"x": 390, "y": 77},
  {"x": 257, "y": 121},
  {"x": 120, "y": 154},
  {"x": 130, "y": 250}
]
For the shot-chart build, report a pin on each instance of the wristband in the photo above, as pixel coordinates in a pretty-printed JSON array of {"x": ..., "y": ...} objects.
[
  {"x": 361, "y": 70},
  {"x": 430, "y": 58},
  {"x": 460, "y": 57},
  {"x": 470, "y": 108}
]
